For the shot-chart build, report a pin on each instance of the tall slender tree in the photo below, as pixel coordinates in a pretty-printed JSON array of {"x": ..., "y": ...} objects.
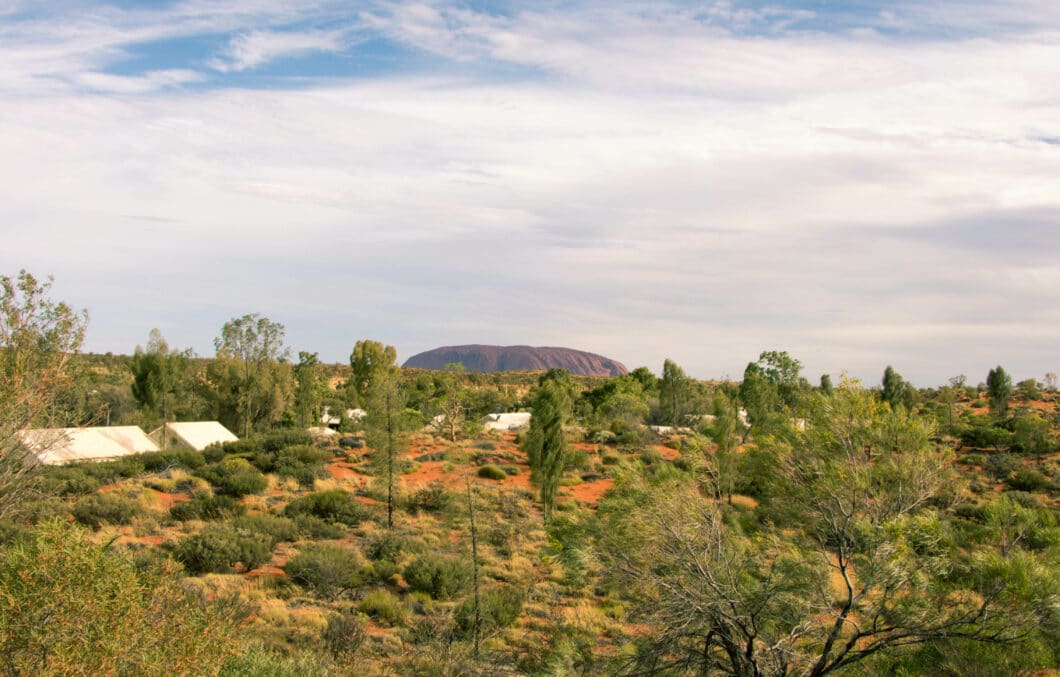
[
  {"x": 545, "y": 446},
  {"x": 377, "y": 380},
  {"x": 159, "y": 374},
  {"x": 999, "y": 389},
  {"x": 252, "y": 345}
]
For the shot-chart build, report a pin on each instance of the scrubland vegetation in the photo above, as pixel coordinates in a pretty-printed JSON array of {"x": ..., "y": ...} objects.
[{"x": 769, "y": 527}]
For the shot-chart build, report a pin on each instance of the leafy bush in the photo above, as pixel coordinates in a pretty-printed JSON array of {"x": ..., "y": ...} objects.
[
  {"x": 331, "y": 506},
  {"x": 72, "y": 606},
  {"x": 182, "y": 458},
  {"x": 326, "y": 569},
  {"x": 109, "y": 472},
  {"x": 441, "y": 577},
  {"x": 492, "y": 472},
  {"x": 202, "y": 506},
  {"x": 385, "y": 606},
  {"x": 498, "y": 608},
  {"x": 344, "y": 635},
  {"x": 234, "y": 477},
  {"x": 316, "y": 528},
  {"x": 69, "y": 481},
  {"x": 385, "y": 546},
  {"x": 110, "y": 508},
  {"x": 218, "y": 548},
  {"x": 1027, "y": 479},
  {"x": 432, "y": 498},
  {"x": 276, "y": 528}
]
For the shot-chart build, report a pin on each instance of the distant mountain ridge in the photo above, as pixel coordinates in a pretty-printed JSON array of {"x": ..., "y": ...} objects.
[{"x": 518, "y": 358}]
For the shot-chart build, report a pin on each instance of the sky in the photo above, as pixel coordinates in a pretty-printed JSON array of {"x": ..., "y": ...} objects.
[{"x": 858, "y": 183}]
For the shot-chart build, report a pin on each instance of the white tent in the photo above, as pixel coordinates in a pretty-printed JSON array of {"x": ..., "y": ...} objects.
[
  {"x": 354, "y": 415},
  {"x": 506, "y": 422},
  {"x": 195, "y": 435},
  {"x": 55, "y": 446}
]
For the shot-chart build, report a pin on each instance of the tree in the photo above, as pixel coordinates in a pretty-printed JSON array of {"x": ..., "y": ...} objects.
[
  {"x": 893, "y": 385},
  {"x": 1033, "y": 434},
  {"x": 782, "y": 370},
  {"x": 450, "y": 399},
  {"x": 309, "y": 393},
  {"x": 999, "y": 388},
  {"x": 37, "y": 338},
  {"x": 865, "y": 566},
  {"x": 722, "y": 467},
  {"x": 826, "y": 384},
  {"x": 158, "y": 377},
  {"x": 251, "y": 348},
  {"x": 675, "y": 389},
  {"x": 545, "y": 446},
  {"x": 377, "y": 380}
]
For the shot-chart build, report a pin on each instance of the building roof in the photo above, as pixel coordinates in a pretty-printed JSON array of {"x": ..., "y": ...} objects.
[
  {"x": 198, "y": 434},
  {"x": 506, "y": 422},
  {"x": 55, "y": 446}
]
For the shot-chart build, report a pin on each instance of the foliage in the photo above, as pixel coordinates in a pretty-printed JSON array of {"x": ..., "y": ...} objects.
[
  {"x": 203, "y": 506},
  {"x": 440, "y": 576},
  {"x": 234, "y": 477},
  {"x": 331, "y": 506},
  {"x": 432, "y": 498},
  {"x": 275, "y": 527},
  {"x": 385, "y": 606},
  {"x": 218, "y": 548},
  {"x": 71, "y": 606},
  {"x": 327, "y": 569},
  {"x": 675, "y": 394},
  {"x": 109, "y": 508},
  {"x": 492, "y": 472},
  {"x": 499, "y": 607},
  {"x": 249, "y": 379},
  {"x": 37, "y": 338},
  {"x": 545, "y": 445},
  {"x": 999, "y": 388},
  {"x": 160, "y": 379}
]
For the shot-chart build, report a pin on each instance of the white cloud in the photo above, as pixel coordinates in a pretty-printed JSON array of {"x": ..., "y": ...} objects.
[
  {"x": 250, "y": 50},
  {"x": 669, "y": 190}
]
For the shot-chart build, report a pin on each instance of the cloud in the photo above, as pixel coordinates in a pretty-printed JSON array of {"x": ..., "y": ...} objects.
[
  {"x": 250, "y": 50},
  {"x": 657, "y": 184}
]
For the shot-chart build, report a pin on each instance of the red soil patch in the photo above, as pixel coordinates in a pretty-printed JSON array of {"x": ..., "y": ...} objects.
[
  {"x": 591, "y": 492},
  {"x": 668, "y": 453},
  {"x": 167, "y": 501},
  {"x": 429, "y": 471},
  {"x": 267, "y": 570},
  {"x": 584, "y": 446},
  {"x": 520, "y": 481},
  {"x": 367, "y": 500},
  {"x": 341, "y": 470}
]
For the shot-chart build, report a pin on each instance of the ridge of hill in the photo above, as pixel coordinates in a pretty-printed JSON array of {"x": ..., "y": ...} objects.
[{"x": 484, "y": 358}]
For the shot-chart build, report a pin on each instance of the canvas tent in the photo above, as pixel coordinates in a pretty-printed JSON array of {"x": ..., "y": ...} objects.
[
  {"x": 506, "y": 422},
  {"x": 195, "y": 435},
  {"x": 330, "y": 421},
  {"x": 55, "y": 446}
]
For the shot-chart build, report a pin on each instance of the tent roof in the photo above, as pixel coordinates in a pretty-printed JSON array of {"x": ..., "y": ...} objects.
[
  {"x": 200, "y": 434},
  {"x": 507, "y": 421},
  {"x": 54, "y": 446}
]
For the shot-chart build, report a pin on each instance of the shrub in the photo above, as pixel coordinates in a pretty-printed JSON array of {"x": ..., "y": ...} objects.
[
  {"x": 344, "y": 635},
  {"x": 441, "y": 577},
  {"x": 70, "y": 481},
  {"x": 385, "y": 546},
  {"x": 511, "y": 470},
  {"x": 234, "y": 477},
  {"x": 110, "y": 508},
  {"x": 315, "y": 528},
  {"x": 491, "y": 472},
  {"x": 1027, "y": 479},
  {"x": 303, "y": 462},
  {"x": 188, "y": 459},
  {"x": 331, "y": 506},
  {"x": 218, "y": 548},
  {"x": 72, "y": 606},
  {"x": 485, "y": 445},
  {"x": 351, "y": 442},
  {"x": 432, "y": 498},
  {"x": 498, "y": 608},
  {"x": 383, "y": 605},
  {"x": 276, "y": 528},
  {"x": 326, "y": 569},
  {"x": 205, "y": 507}
]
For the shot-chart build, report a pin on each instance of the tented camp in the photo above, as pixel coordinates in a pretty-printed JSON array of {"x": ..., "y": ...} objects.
[
  {"x": 506, "y": 422},
  {"x": 195, "y": 435},
  {"x": 331, "y": 421},
  {"x": 55, "y": 446}
]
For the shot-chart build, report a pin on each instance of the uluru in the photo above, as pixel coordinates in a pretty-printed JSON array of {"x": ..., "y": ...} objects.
[{"x": 482, "y": 358}]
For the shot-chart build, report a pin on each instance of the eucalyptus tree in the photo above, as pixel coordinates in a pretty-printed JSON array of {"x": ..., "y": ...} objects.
[
  {"x": 250, "y": 373},
  {"x": 545, "y": 445},
  {"x": 999, "y": 389}
]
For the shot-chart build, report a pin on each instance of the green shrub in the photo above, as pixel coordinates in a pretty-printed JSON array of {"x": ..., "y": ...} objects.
[
  {"x": 432, "y": 498},
  {"x": 202, "y": 506},
  {"x": 316, "y": 528},
  {"x": 109, "y": 508},
  {"x": 492, "y": 472},
  {"x": 383, "y": 571},
  {"x": 442, "y": 577},
  {"x": 499, "y": 607},
  {"x": 281, "y": 439},
  {"x": 344, "y": 635},
  {"x": 69, "y": 481},
  {"x": 188, "y": 459},
  {"x": 326, "y": 569},
  {"x": 485, "y": 445},
  {"x": 303, "y": 462},
  {"x": 260, "y": 661},
  {"x": 578, "y": 458},
  {"x": 331, "y": 506},
  {"x": 276, "y": 528},
  {"x": 511, "y": 470},
  {"x": 385, "y": 606},
  {"x": 218, "y": 548},
  {"x": 1027, "y": 479},
  {"x": 109, "y": 472},
  {"x": 234, "y": 477},
  {"x": 71, "y": 606},
  {"x": 385, "y": 546}
]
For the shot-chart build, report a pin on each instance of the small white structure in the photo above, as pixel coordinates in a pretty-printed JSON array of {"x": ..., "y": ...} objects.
[
  {"x": 195, "y": 435},
  {"x": 321, "y": 431},
  {"x": 56, "y": 446},
  {"x": 330, "y": 421},
  {"x": 507, "y": 422}
]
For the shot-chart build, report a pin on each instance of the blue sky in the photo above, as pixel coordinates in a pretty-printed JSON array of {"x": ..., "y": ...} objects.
[{"x": 859, "y": 183}]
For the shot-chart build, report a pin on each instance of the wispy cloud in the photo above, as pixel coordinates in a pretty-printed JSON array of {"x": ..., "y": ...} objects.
[{"x": 250, "y": 50}]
